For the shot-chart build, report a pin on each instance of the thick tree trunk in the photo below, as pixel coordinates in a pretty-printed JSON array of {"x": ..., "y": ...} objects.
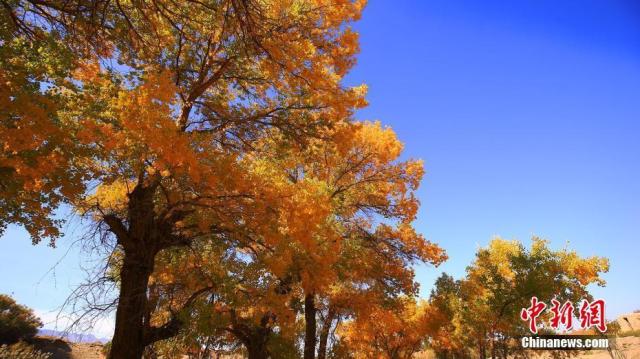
[
  {"x": 254, "y": 338},
  {"x": 310, "y": 326},
  {"x": 257, "y": 350},
  {"x": 141, "y": 236},
  {"x": 128, "y": 338},
  {"x": 324, "y": 333}
]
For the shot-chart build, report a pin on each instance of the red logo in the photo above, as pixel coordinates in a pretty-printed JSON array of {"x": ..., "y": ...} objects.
[
  {"x": 532, "y": 313},
  {"x": 562, "y": 315},
  {"x": 590, "y": 314}
]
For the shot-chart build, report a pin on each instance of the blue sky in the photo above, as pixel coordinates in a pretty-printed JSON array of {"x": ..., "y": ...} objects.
[{"x": 526, "y": 113}]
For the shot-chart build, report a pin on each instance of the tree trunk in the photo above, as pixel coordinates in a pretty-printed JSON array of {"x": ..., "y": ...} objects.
[
  {"x": 493, "y": 349},
  {"x": 257, "y": 350},
  {"x": 310, "y": 326},
  {"x": 141, "y": 236},
  {"x": 482, "y": 349},
  {"x": 256, "y": 343},
  {"x": 324, "y": 333},
  {"x": 255, "y": 338},
  {"x": 128, "y": 338}
]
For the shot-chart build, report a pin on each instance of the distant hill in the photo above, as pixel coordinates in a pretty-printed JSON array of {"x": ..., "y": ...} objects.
[
  {"x": 629, "y": 322},
  {"x": 71, "y": 337}
]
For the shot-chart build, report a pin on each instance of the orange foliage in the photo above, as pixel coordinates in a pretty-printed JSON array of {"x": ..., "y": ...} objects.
[{"x": 387, "y": 333}]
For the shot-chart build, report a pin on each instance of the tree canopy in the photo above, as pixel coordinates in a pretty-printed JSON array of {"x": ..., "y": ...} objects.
[
  {"x": 17, "y": 322},
  {"x": 212, "y": 150},
  {"x": 202, "y": 125},
  {"x": 481, "y": 312}
]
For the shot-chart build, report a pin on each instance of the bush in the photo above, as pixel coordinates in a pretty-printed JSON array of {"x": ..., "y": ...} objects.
[
  {"x": 21, "y": 350},
  {"x": 106, "y": 348},
  {"x": 17, "y": 322},
  {"x": 630, "y": 333}
]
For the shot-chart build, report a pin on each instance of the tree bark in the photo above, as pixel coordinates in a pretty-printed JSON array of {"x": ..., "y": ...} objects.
[
  {"x": 493, "y": 347},
  {"x": 324, "y": 333},
  {"x": 141, "y": 239},
  {"x": 310, "y": 326},
  {"x": 257, "y": 349},
  {"x": 128, "y": 338},
  {"x": 255, "y": 338},
  {"x": 482, "y": 350}
]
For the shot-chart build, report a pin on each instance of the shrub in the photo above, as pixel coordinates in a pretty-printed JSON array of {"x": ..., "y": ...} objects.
[
  {"x": 21, "y": 350},
  {"x": 630, "y": 333},
  {"x": 106, "y": 348},
  {"x": 16, "y": 321}
]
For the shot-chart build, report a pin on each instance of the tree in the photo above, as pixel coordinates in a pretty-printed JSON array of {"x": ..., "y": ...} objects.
[
  {"x": 359, "y": 234},
  {"x": 246, "y": 307},
  {"x": 36, "y": 171},
  {"x": 396, "y": 332},
  {"x": 328, "y": 252},
  {"x": 482, "y": 311},
  {"x": 371, "y": 243},
  {"x": 168, "y": 130},
  {"x": 17, "y": 322}
]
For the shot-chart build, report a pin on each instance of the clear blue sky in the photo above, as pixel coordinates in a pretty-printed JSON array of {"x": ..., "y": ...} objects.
[{"x": 527, "y": 114}]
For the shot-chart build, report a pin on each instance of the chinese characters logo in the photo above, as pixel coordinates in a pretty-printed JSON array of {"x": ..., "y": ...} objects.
[{"x": 590, "y": 314}]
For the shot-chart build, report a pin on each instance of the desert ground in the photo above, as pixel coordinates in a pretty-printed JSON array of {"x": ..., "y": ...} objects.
[{"x": 627, "y": 346}]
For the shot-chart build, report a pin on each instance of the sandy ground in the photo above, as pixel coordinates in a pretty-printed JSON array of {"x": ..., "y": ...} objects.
[
  {"x": 628, "y": 347},
  {"x": 625, "y": 347},
  {"x": 61, "y": 349}
]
